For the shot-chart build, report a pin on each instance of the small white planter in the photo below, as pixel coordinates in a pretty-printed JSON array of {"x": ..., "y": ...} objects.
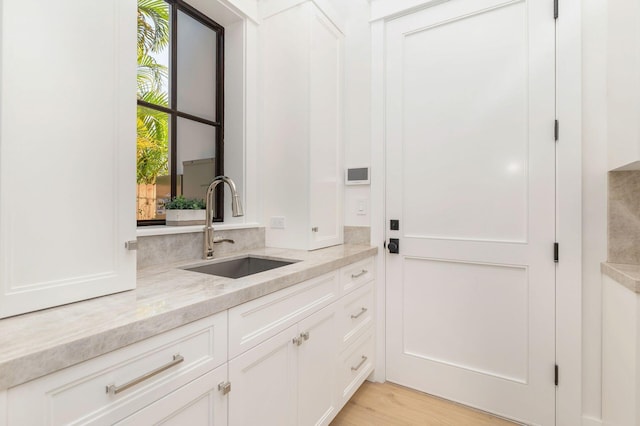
[{"x": 185, "y": 217}]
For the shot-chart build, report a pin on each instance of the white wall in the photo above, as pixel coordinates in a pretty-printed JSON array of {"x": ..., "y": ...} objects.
[
  {"x": 594, "y": 199},
  {"x": 357, "y": 104}
]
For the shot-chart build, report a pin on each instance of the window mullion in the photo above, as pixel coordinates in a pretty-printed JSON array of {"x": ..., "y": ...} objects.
[{"x": 173, "y": 82}]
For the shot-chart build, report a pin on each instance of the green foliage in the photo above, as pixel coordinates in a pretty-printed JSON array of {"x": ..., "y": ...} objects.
[
  {"x": 152, "y": 149},
  {"x": 153, "y": 25},
  {"x": 152, "y": 126},
  {"x": 181, "y": 203}
]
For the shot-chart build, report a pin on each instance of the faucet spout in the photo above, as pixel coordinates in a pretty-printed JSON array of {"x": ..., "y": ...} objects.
[{"x": 236, "y": 210}]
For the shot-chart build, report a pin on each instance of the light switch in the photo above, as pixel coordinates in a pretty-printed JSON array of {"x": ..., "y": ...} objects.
[
  {"x": 361, "y": 206},
  {"x": 277, "y": 222}
]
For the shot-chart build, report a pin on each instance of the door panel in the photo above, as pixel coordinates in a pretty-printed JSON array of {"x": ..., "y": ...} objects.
[
  {"x": 481, "y": 332},
  {"x": 476, "y": 69},
  {"x": 264, "y": 383},
  {"x": 470, "y": 101}
]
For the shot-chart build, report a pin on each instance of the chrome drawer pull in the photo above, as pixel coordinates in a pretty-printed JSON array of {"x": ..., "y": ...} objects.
[
  {"x": 364, "y": 271},
  {"x": 358, "y": 316},
  {"x": 114, "y": 390},
  {"x": 357, "y": 367}
]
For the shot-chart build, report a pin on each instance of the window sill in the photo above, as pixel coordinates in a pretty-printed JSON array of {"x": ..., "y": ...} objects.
[{"x": 147, "y": 231}]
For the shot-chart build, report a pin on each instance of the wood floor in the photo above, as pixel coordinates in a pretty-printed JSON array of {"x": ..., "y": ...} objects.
[{"x": 387, "y": 404}]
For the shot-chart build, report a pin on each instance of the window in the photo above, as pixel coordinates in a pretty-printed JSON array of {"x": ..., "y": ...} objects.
[{"x": 180, "y": 117}]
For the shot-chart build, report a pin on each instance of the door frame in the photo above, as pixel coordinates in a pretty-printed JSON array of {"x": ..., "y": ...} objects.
[{"x": 568, "y": 193}]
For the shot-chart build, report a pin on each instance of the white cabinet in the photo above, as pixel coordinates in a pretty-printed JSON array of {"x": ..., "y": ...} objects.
[
  {"x": 301, "y": 77},
  {"x": 623, "y": 85},
  {"x": 117, "y": 385},
  {"x": 355, "y": 364},
  {"x": 67, "y": 151},
  {"x": 317, "y": 356},
  {"x": 293, "y": 357},
  {"x": 620, "y": 354},
  {"x": 290, "y": 379},
  {"x": 299, "y": 354},
  {"x": 264, "y": 383}
]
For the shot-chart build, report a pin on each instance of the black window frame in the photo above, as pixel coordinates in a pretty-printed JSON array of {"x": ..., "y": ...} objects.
[{"x": 174, "y": 113}]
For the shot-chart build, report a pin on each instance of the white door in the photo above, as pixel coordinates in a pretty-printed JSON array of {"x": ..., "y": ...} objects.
[{"x": 470, "y": 110}]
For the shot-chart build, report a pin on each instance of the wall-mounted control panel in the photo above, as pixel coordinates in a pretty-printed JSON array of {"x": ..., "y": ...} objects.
[{"x": 357, "y": 176}]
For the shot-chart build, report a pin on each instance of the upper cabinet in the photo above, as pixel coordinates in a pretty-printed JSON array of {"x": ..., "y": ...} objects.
[
  {"x": 301, "y": 126},
  {"x": 67, "y": 151},
  {"x": 623, "y": 84}
]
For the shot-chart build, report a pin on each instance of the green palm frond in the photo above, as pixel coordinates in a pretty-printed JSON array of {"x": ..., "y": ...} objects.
[
  {"x": 152, "y": 125},
  {"x": 153, "y": 25},
  {"x": 151, "y": 75}
]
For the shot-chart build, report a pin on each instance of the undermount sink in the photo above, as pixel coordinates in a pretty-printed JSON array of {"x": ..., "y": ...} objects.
[{"x": 238, "y": 268}]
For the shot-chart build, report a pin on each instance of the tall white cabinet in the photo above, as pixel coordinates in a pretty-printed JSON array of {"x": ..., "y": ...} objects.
[
  {"x": 623, "y": 85},
  {"x": 301, "y": 128},
  {"x": 67, "y": 151}
]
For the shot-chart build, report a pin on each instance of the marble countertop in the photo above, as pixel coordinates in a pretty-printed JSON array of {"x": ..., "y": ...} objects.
[
  {"x": 627, "y": 275},
  {"x": 166, "y": 297}
]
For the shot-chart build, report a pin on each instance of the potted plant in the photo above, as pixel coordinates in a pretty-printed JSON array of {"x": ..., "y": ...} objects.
[{"x": 185, "y": 211}]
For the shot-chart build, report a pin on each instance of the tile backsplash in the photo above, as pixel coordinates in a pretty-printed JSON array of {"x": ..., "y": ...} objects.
[
  {"x": 360, "y": 235},
  {"x": 624, "y": 217},
  {"x": 160, "y": 249}
]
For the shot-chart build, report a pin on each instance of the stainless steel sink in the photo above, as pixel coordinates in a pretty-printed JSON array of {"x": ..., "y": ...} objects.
[{"x": 238, "y": 268}]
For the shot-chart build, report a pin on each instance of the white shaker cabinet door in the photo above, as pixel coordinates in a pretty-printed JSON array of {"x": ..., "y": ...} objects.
[
  {"x": 264, "y": 383},
  {"x": 317, "y": 365},
  {"x": 67, "y": 151},
  {"x": 302, "y": 79}
]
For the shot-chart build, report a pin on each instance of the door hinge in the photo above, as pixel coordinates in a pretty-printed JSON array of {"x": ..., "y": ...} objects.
[
  {"x": 555, "y": 9},
  {"x": 556, "y": 130},
  {"x": 555, "y": 380},
  {"x": 556, "y": 252}
]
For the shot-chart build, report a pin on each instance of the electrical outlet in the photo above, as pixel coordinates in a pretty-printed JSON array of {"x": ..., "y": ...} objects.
[{"x": 277, "y": 222}]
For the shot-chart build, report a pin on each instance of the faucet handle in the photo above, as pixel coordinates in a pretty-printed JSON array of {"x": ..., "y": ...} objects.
[{"x": 223, "y": 240}]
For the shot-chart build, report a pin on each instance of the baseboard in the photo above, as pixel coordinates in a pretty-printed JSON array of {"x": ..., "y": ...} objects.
[{"x": 591, "y": 421}]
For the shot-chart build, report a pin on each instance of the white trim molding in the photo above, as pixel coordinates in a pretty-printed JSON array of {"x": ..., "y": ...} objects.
[
  {"x": 569, "y": 213},
  {"x": 268, "y": 8},
  {"x": 378, "y": 207},
  {"x": 389, "y": 9},
  {"x": 590, "y": 421},
  {"x": 4, "y": 412}
]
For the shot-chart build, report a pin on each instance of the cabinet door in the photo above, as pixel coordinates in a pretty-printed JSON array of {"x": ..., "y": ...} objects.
[
  {"x": 325, "y": 131},
  {"x": 198, "y": 403},
  {"x": 67, "y": 151},
  {"x": 264, "y": 383},
  {"x": 317, "y": 365}
]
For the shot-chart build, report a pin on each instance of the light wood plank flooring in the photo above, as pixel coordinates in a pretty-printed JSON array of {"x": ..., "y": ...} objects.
[{"x": 388, "y": 404}]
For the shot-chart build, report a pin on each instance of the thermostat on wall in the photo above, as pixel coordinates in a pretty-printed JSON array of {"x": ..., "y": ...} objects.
[{"x": 357, "y": 176}]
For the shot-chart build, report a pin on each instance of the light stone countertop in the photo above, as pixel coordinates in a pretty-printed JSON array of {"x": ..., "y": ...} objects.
[
  {"x": 627, "y": 275},
  {"x": 39, "y": 343}
]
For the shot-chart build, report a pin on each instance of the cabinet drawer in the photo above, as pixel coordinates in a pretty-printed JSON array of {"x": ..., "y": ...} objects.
[
  {"x": 80, "y": 394},
  {"x": 198, "y": 403},
  {"x": 254, "y": 322},
  {"x": 356, "y": 314},
  {"x": 355, "y": 364},
  {"x": 356, "y": 275}
]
